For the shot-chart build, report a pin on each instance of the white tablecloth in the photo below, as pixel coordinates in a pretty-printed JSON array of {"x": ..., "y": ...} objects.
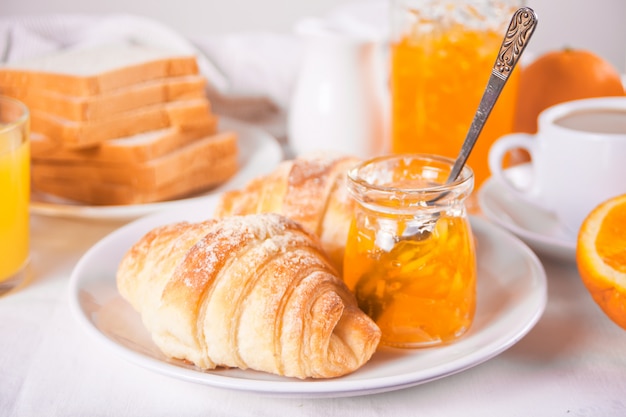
[{"x": 573, "y": 362}]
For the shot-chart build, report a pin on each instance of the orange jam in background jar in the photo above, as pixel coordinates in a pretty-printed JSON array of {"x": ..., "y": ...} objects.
[
  {"x": 442, "y": 54},
  {"x": 410, "y": 257}
]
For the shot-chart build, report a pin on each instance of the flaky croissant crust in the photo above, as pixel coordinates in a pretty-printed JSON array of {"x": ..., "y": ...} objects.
[
  {"x": 310, "y": 189},
  {"x": 249, "y": 292}
]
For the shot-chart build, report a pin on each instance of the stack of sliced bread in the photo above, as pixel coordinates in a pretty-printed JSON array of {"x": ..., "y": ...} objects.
[{"x": 120, "y": 124}]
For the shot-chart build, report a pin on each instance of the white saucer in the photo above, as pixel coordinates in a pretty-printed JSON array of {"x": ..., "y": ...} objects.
[
  {"x": 512, "y": 294},
  {"x": 540, "y": 229}
]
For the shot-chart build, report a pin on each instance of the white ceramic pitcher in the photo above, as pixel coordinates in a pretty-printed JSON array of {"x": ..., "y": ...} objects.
[{"x": 337, "y": 101}]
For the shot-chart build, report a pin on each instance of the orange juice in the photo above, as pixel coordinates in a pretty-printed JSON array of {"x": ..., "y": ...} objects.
[
  {"x": 439, "y": 70},
  {"x": 420, "y": 291},
  {"x": 14, "y": 195}
]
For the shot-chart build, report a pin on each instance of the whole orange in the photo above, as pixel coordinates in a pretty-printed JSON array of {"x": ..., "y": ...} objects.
[
  {"x": 559, "y": 76},
  {"x": 601, "y": 257}
]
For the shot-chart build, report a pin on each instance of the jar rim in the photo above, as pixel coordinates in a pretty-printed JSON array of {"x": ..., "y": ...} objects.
[
  {"x": 465, "y": 176},
  {"x": 20, "y": 120}
]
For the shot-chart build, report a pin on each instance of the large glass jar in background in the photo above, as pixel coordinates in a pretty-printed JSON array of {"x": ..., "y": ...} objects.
[
  {"x": 410, "y": 256},
  {"x": 442, "y": 53}
]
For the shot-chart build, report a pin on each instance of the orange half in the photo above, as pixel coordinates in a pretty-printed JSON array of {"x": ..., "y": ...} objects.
[{"x": 601, "y": 257}]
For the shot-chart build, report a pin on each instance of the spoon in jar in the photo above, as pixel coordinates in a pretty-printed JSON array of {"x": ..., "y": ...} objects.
[{"x": 518, "y": 34}]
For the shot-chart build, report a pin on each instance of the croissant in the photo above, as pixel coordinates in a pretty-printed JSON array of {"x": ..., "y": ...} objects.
[
  {"x": 250, "y": 291},
  {"x": 311, "y": 190}
]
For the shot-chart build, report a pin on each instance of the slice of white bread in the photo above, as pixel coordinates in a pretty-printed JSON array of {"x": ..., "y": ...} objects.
[
  {"x": 131, "y": 149},
  {"x": 183, "y": 114},
  {"x": 101, "y": 106},
  {"x": 201, "y": 165},
  {"x": 188, "y": 184},
  {"x": 96, "y": 69},
  {"x": 144, "y": 175}
]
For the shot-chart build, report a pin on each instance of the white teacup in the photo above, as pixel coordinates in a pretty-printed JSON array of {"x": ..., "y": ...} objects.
[{"x": 578, "y": 157}]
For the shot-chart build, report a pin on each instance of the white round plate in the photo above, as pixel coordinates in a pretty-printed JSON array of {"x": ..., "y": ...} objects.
[
  {"x": 512, "y": 294},
  {"x": 259, "y": 153},
  {"x": 538, "y": 228}
]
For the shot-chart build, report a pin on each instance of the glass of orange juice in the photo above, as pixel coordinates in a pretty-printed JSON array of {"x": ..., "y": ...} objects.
[
  {"x": 14, "y": 192},
  {"x": 410, "y": 257},
  {"x": 442, "y": 53}
]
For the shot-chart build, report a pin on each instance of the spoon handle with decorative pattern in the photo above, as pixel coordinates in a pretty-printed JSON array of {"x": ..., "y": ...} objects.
[{"x": 520, "y": 29}]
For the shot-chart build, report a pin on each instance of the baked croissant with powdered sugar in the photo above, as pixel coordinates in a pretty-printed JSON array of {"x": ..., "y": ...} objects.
[{"x": 253, "y": 291}]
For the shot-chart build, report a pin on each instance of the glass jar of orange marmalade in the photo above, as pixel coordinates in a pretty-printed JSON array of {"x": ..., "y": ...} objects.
[
  {"x": 442, "y": 53},
  {"x": 410, "y": 256}
]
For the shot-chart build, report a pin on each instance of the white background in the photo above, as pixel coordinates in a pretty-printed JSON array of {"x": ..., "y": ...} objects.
[{"x": 598, "y": 25}]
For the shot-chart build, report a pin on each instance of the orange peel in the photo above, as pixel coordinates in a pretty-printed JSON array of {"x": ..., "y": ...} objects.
[{"x": 562, "y": 75}]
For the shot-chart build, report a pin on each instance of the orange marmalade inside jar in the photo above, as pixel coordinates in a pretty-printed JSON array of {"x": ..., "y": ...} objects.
[{"x": 410, "y": 256}]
